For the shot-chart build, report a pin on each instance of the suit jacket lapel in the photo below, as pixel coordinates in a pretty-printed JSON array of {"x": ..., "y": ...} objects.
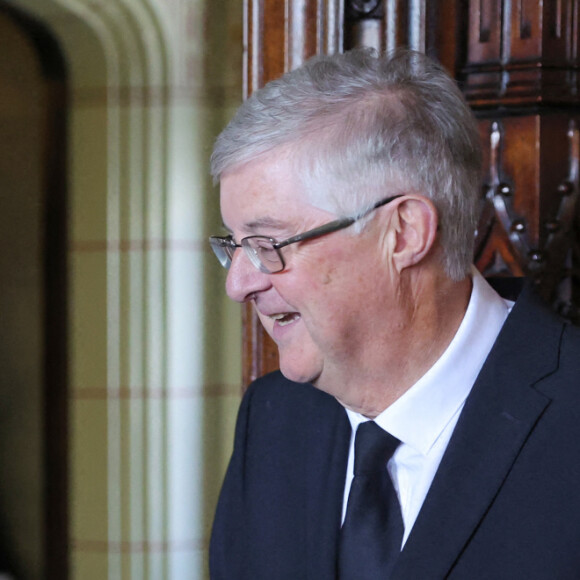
[
  {"x": 499, "y": 415},
  {"x": 328, "y": 446}
]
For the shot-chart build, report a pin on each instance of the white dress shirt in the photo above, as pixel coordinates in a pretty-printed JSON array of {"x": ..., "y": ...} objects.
[{"x": 424, "y": 417}]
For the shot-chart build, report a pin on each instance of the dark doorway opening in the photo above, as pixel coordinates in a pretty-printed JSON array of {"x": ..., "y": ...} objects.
[{"x": 33, "y": 300}]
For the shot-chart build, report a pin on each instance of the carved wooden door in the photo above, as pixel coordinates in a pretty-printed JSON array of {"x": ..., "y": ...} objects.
[{"x": 516, "y": 61}]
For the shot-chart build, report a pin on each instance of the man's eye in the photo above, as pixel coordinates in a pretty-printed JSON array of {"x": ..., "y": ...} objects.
[{"x": 268, "y": 255}]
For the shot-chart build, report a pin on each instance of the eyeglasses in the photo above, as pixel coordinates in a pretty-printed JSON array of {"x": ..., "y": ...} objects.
[{"x": 265, "y": 252}]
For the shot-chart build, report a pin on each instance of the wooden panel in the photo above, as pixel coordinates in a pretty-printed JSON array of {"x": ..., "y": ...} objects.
[
  {"x": 521, "y": 78},
  {"x": 529, "y": 219},
  {"x": 430, "y": 26},
  {"x": 524, "y": 185},
  {"x": 522, "y": 52},
  {"x": 372, "y": 23}
]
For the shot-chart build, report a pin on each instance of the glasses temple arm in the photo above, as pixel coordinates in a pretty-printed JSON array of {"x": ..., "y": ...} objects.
[
  {"x": 377, "y": 205},
  {"x": 319, "y": 231},
  {"x": 338, "y": 224}
]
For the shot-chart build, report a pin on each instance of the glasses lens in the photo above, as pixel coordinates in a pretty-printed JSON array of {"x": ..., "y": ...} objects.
[
  {"x": 223, "y": 250},
  {"x": 262, "y": 254}
]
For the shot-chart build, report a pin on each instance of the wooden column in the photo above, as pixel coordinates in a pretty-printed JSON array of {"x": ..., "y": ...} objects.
[{"x": 520, "y": 75}]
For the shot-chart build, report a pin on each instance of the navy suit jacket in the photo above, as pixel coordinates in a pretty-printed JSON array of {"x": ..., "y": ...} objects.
[{"x": 505, "y": 501}]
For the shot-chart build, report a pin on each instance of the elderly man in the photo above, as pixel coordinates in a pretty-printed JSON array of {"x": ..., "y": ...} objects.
[{"x": 420, "y": 427}]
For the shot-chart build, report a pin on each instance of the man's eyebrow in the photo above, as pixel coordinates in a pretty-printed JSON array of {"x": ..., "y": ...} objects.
[{"x": 265, "y": 223}]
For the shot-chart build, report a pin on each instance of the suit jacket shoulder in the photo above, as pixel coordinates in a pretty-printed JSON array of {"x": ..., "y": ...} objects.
[
  {"x": 505, "y": 502},
  {"x": 283, "y": 485}
]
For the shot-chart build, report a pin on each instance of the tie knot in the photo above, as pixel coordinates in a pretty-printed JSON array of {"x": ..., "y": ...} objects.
[{"x": 373, "y": 447}]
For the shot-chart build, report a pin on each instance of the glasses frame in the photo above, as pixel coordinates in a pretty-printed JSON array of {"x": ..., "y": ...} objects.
[{"x": 224, "y": 247}]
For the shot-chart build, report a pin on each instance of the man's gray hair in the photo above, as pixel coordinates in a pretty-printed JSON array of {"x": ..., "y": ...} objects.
[{"x": 358, "y": 128}]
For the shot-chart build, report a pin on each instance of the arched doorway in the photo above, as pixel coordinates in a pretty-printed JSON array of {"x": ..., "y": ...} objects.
[{"x": 148, "y": 365}]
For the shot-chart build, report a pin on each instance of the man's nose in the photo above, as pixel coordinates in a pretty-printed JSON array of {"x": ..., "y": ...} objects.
[{"x": 244, "y": 279}]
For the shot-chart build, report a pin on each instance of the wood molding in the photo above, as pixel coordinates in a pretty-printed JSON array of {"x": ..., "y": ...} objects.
[{"x": 522, "y": 52}]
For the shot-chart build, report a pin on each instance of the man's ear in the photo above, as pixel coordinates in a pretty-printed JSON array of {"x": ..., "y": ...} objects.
[{"x": 415, "y": 222}]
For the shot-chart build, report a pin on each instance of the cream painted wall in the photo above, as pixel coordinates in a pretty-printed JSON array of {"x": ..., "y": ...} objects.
[{"x": 154, "y": 345}]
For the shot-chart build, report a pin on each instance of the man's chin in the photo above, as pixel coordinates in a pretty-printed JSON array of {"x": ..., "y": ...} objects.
[
  {"x": 296, "y": 377},
  {"x": 298, "y": 373}
]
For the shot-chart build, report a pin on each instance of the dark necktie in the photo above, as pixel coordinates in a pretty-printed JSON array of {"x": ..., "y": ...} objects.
[{"x": 371, "y": 536}]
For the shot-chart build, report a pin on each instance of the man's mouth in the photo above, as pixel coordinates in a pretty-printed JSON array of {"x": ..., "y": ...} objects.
[{"x": 283, "y": 319}]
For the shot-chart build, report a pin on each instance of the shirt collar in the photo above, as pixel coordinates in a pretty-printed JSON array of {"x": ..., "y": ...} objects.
[{"x": 420, "y": 415}]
